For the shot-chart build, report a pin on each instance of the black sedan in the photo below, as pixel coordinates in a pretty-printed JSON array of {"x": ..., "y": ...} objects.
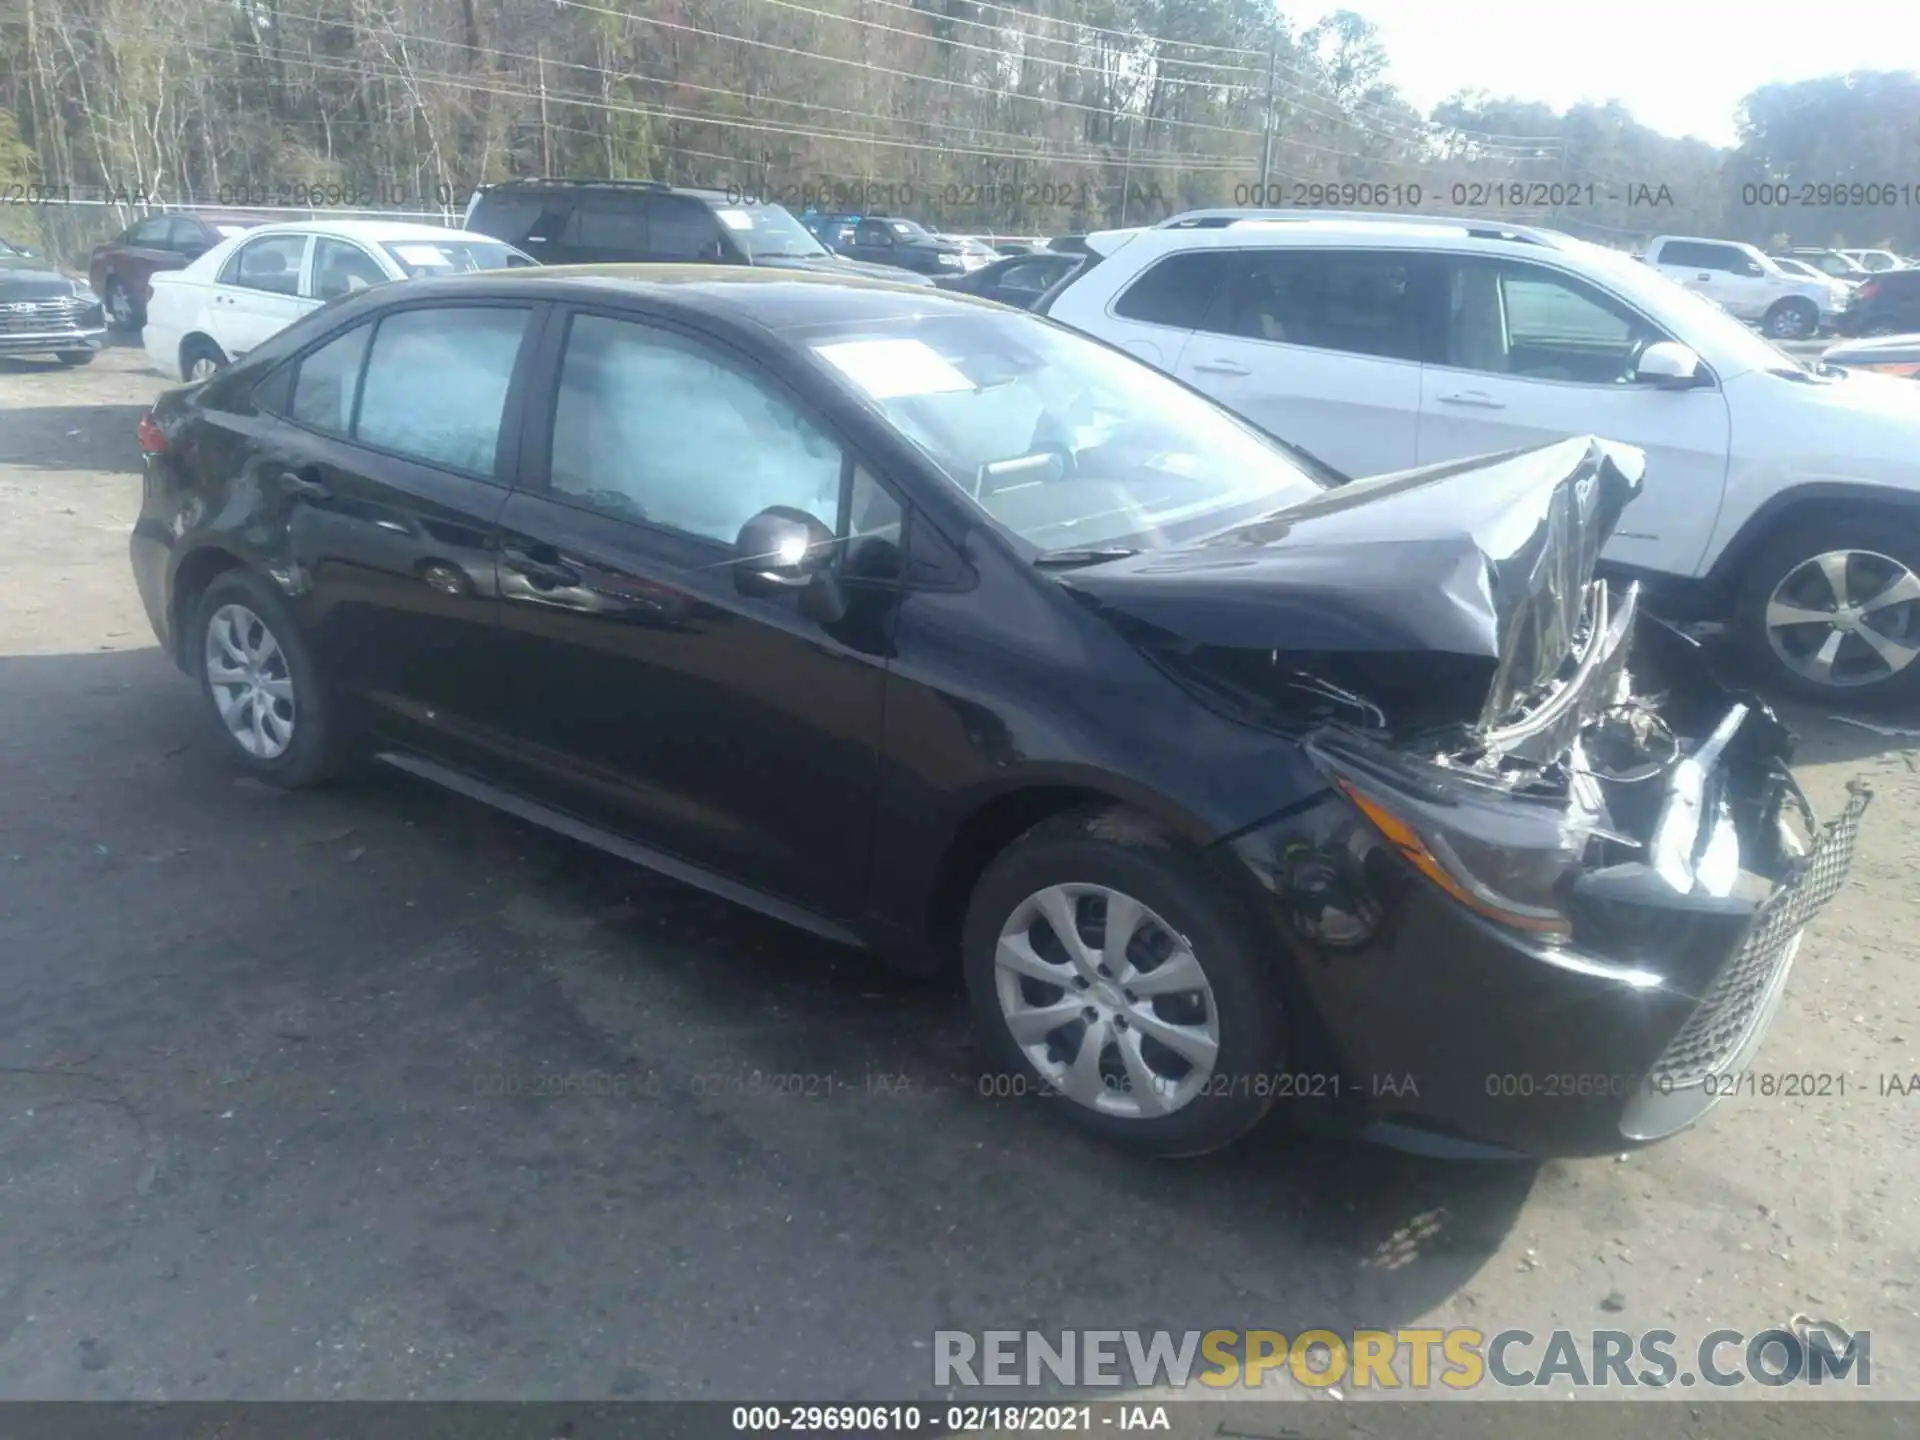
[
  {"x": 937, "y": 628},
  {"x": 1018, "y": 280}
]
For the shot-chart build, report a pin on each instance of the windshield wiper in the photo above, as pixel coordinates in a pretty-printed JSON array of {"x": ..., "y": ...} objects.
[{"x": 1088, "y": 555}]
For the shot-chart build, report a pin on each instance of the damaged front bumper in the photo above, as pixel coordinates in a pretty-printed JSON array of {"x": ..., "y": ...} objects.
[{"x": 1445, "y": 1028}]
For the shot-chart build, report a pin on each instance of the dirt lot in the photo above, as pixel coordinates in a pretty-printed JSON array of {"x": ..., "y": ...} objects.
[{"x": 253, "y": 1141}]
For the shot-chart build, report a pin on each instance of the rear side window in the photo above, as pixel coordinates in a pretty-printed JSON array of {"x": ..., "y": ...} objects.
[
  {"x": 1363, "y": 303},
  {"x": 1179, "y": 291},
  {"x": 436, "y": 384},
  {"x": 511, "y": 218},
  {"x": 149, "y": 232},
  {"x": 327, "y": 381}
]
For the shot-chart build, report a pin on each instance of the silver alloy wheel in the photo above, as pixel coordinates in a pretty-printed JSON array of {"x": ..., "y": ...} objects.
[
  {"x": 1846, "y": 618},
  {"x": 119, "y": 306},
  {"x": 1107, "y": 1001},
  {"x": 252, "y": 685},
  {"x": 1791, "y": 322},
  {"x": 204, "y": 367}
]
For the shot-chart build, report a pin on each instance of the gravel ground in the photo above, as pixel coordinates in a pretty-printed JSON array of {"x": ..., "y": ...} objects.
[{"x": 253, "y": 1145}]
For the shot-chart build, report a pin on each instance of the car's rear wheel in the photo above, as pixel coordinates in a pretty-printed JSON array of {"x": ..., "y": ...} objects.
[
  {"x": 201, "y": 359},
  {"x": 123, "y": 311},
  {"x": 1110, "y": 970},
  {"x": 1793, "y": 319},
  {"x": 265, "y": 693},
  {"x": 1831, "y": 609},
  {"x": 75, "y": 357}
]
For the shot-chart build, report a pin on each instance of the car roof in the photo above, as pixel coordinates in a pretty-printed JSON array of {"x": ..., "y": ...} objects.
[
  {"x": 373, "y": 231},
  {"x": 623, "y": 187},
  {"x": 764, "y": 297},
  {"x": 1365, "y": 227}
]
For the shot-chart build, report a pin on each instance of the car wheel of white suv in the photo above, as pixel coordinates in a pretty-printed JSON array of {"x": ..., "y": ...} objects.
[
  {"x": 1792, "y": 319},
  {"x": 1831, "y": 609}
]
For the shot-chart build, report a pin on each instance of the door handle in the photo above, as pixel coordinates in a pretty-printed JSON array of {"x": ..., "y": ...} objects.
[
  {"x": 1704, "y": 275},
  {"x": 1478, "y": 399},
  {"x": 303, "y": 487},
  {"x": 542, "y": 572},
  {"x": 1221, "y": 367}
]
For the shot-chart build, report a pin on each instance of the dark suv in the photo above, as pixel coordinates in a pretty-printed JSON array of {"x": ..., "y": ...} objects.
[
  {"x": 890, "y": 240},
  {"x": 1884, "y": 304},
  {"x": 575, "y": 222}
]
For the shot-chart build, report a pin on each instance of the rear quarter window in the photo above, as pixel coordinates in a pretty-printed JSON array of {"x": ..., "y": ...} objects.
[{"x": 506, "y": 217}]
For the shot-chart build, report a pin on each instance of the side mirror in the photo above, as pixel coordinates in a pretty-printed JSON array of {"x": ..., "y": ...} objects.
[
  {"x": 1668, "y": 365},
  {"x": 782, "y": 548}
]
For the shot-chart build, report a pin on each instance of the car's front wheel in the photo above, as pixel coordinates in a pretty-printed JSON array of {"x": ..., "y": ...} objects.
[
  {"x": 1794, "y": 319},
  {"x": 75, "y": 357},
  {"x": 1830, "y": 609},
  {"x": 262, "y": 687},
  {"x": 1110, "y": 970}
]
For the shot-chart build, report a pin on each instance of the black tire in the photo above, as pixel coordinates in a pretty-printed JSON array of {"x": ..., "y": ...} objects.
[
  {"x": 1784, "y": 553},
  {"x": 197, "y": 348},
  {"x": 124, "y": 310},
  {"x": 75, "y": 357},
  {"x": 1795, "y": 318},
  {"x": 1122, "y": 852},
  {"x": 317, "y": 750}
]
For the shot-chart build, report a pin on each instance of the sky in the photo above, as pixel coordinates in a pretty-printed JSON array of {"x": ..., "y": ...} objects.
[{"x": 1681, "y": 66}]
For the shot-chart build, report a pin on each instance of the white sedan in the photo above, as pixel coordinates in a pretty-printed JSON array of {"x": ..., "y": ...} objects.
[{"x": 257, "y": 283}]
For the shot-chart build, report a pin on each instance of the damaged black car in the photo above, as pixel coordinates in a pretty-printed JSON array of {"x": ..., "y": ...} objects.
[{"x": 938, "y": 629}]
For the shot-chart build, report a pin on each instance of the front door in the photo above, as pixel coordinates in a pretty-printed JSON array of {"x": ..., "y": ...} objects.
[
  {"x": 1531, "y": 354},
  {"x": 730, "y": 731},
  {"x": 257, "y": 294},
  {"x": 1321, "y": 348}
]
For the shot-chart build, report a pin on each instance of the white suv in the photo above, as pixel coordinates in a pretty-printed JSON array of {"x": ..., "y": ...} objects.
[
  {"x": 1782, "y": 498},
  {"x": 1750, "y": 285}
]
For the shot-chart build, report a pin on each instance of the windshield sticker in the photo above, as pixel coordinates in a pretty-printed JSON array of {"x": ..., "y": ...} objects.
[
  {"x": 422, "y": 254},
  {"x": 889, "y": 369},
  {"x": 735, "y": 219}
]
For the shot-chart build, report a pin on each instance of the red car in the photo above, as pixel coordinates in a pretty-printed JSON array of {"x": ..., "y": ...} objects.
[{"x": 119, "y": 269}]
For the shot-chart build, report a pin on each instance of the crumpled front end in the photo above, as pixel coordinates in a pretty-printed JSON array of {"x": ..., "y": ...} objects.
[{"x": 1562, "y": 937}]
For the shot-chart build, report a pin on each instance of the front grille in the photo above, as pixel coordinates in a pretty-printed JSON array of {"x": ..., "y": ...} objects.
[
  {"x": 1734, "y": 1005},
  {"x": 41, "y": 317}
]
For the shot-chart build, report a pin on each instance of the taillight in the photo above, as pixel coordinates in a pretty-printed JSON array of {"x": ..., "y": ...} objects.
[
  {"x": 1869, "y": 290},
  {"x": 153, "y": 440}
]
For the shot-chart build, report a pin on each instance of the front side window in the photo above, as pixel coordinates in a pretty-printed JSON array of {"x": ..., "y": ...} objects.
[
  {"x": 679, "y": 228},
  {"x": 1511, "y": 318},
  {"x": 873, "y": 232},
  {"x": 436, "y": 384},
  {"x": 609, "y": 223},
  {"x": 327, "y": 381},
  {"x": 1354, "y": 301},
  {"x": 651, "y": 427},
  {"x": 341, "y": 267},
  {"x": 271, "y": 263},
  {"x": 1063, "y": 441}
]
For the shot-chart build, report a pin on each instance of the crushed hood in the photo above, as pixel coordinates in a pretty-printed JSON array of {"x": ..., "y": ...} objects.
[{"x": 1446, "y": 595}]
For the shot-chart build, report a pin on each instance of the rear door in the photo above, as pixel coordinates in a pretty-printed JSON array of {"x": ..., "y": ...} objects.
[
  {"x": 653, "y": 697},
  {"x": 682, "y": 229},
  {"x": 396, "y": 454},
  {"x": 257, "y": 294},
  {"x": 1530, "y": 354},
  {"x": 609, "y": 227},
  {"x": 1321, "y": 348}
]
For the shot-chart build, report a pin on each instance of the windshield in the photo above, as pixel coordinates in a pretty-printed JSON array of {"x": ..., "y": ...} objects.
[
  {"x": 1641, "y": 283},
  {"x": 453, "y": 257},
  {"x": 768, "y": 232},
  {"x": 1067, "y": 443}
]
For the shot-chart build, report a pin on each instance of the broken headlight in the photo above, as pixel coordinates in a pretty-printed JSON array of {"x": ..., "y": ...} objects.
[{"x": 1503, "y": 853}]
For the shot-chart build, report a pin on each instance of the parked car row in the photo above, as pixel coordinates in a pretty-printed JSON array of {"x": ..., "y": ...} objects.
[{"x": 934, "y": 627}]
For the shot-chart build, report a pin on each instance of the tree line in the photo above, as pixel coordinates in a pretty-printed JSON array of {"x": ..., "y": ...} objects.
[{"x": 1026, "y": 116}]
